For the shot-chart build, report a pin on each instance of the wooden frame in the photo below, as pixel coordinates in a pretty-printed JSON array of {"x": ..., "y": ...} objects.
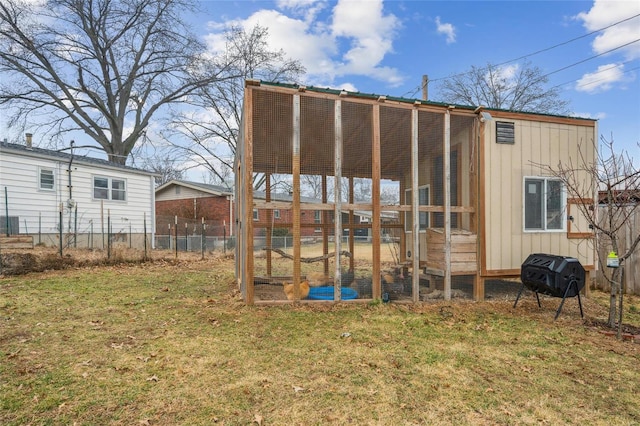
[{"x": 332, "y": 143}]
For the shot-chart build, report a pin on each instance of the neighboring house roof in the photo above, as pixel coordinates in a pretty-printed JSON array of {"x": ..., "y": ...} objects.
[
  {"x": 215, "y": 190},
  {"x": 49, "y": 154}
]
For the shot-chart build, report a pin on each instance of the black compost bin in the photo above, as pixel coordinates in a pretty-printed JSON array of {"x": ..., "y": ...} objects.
[{"x": 553, "y": 275}]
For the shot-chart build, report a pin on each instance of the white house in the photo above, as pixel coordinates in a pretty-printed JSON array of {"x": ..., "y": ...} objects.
[{"x": 48, "y": 194}]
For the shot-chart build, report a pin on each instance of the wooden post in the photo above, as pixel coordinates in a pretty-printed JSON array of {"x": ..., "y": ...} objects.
[
  {"x": 337, "y": 209},
  {"x": 352, "y": 233},
  {"x": 269, "y": 233},
  {"x": 247, "y": 149},
  {"x": 324, "y": 214},
  {"x": 415, "y": 201},
  {"x": 481, "y": 254},
  {"x": 446, "y": 163},
  {"x": 296, "y": 196},
  {"x": 375, "y": 190}
]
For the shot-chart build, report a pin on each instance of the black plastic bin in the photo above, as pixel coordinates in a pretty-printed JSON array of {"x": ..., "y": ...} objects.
[{"x": 553, "y": 275}]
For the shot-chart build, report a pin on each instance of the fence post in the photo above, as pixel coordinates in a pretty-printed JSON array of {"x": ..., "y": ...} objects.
[
  {"x": 39, "y": 228},
  {"x": 109, "y": 234},
  {"x": 176, "y": 232},
  {"x": 224, "y": 237},
  {"x": 204, "y": 238},
  {"x": 144, "y": 225},
  {"x": 75, "y": 227},
  {"x": 6, "y": 209},
  {"x": 60, "y": 226}
]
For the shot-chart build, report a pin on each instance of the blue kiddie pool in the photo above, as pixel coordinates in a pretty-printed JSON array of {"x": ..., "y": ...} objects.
[{"x": 326, "y": 293}]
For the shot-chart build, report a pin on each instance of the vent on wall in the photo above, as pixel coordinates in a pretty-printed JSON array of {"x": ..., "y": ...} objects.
[{"x": 505, "y": 132}]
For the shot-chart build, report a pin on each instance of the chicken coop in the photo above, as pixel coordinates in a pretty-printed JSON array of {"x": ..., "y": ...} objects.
[{"x": 345, "y": 196}]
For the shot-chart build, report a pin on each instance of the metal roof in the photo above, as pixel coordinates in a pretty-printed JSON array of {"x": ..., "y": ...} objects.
[
  {"x": 413, "y": 101},
  {"x": 213, "y": 189}
]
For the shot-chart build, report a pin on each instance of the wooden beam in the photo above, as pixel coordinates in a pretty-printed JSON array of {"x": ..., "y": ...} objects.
[
  {"x": 446, "y": 163},
  {"x": 375, "y": 190},
  {"x": 415, "y": 201},
  {"x": 351, "y": 232},
  {"x": 325, "y": 220},
  {"x": 337, "y": 191},
  {"x": 248, "y": 272},
  {"x": 296, "y": 196},
  {"x": 269, "y": 228}
]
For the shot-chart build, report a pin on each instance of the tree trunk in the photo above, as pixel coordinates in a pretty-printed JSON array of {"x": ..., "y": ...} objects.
[{"x": 615, "y": 285}]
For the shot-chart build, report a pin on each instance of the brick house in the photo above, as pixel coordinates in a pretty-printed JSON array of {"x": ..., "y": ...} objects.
[{"x": 194, "y": 203}]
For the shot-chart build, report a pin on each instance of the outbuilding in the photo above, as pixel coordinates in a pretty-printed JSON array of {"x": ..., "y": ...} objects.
[{"x": 456, "y": 194}]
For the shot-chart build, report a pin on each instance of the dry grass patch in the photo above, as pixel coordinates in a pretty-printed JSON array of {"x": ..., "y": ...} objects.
[{"x": 172, "y": 343}]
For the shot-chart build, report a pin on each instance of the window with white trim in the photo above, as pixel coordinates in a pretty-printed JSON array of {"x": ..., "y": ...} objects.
[
  {"x": 423, "y": 200},
  {"x": 255, "y": 214},
  {"x": 276, "y": 214},
  {"x": 105, "y": 188},
  {"x": 544, "y": 204},
  {"x": 47, "y": 179}
]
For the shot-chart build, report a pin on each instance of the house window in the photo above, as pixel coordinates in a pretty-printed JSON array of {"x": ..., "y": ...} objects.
[
  {"x": 316, "y": 216},
  {"x": 47, "y": 180},
  {"x": 505, "y": 132},
  {"x": 276, "y": 214},
  {"x": 109, "y": 189},
  {"x": 255, "y": 214},
  {"x": 544, "y": 204},
  {"x": 423, "y": 200}
]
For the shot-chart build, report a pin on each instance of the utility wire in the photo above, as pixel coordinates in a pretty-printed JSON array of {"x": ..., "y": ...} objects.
[
  {"x": 548, "y": 48},
  {"x": 590, "y": 58},
  {"x": 420, "y": 87},
  {"x": 598, "y": 72}
]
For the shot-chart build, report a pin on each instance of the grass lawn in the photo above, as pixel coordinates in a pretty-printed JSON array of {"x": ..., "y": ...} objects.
[{"x": 171, "y": 342}]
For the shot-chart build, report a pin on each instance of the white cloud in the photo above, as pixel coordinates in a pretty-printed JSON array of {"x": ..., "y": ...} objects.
[
  {"x": 307, "y": 8},
  {"x": 604, "y": 13},
  {"x": 446, "y": 29},
  {"x": 316, "y": 39},
  {"x": 602, "y": 79},
  {"x": 596, "y": 116},
  {"x": 502, "y": 75}
]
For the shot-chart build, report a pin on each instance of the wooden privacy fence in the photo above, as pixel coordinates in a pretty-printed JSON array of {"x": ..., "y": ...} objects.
[{"x": 631, "y": 279}]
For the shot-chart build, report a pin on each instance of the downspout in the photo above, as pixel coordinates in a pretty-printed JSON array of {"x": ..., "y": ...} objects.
[
  {"x": 69, "y": 173},
  {"x": 70, "y": 186}
]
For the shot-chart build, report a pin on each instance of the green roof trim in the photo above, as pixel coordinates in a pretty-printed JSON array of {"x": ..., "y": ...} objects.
[{"x": 409, "y": 100}]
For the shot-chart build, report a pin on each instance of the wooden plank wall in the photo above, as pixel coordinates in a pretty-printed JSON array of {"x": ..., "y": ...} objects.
[{"x": 632, "y": 264}]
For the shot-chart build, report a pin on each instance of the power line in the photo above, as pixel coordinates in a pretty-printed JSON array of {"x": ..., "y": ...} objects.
[
  {"x": 598, "y": 72},
  {"x": 421, "y": 86},
  {"x": 591, "y": 57}
]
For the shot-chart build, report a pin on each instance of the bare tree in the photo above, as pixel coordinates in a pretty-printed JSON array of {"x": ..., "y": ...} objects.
[
  {"x": 104, "y": 67},
  {"x": 165, "y": 168},
  {"x": 616, "y": 180},
  {"x": 213, "y": 135},
  {"x": 515, "y": 88}
]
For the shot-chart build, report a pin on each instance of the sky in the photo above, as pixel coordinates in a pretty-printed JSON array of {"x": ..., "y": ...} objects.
[
  {"x": 589, "y": 49},
  {"x": 385, "y": 47}
]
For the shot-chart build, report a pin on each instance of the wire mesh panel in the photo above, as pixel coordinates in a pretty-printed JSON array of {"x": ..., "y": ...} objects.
[
  {"x": 335, "y": 182},
  {"x": 356, "y": 190},
  {"x": 395, "y": 170}
]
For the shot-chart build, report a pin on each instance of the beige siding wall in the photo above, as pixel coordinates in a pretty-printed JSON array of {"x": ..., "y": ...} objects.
[{"x": 506, "y": 244}]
